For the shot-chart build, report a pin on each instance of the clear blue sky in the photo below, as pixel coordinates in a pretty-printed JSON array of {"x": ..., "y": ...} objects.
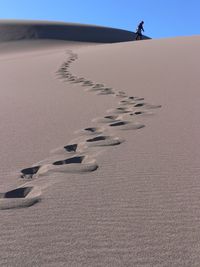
[{"x": 163, "y": 18}]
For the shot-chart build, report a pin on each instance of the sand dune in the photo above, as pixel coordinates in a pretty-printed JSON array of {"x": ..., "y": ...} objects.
[
  {"x": 99, "y": 150},
  {"x": 19, "y": 30}
]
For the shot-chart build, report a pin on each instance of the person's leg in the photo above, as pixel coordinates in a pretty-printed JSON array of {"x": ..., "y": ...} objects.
[{"x": 140, "y": 36}]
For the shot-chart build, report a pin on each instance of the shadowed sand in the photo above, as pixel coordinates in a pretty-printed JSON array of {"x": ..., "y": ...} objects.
[
  {"x": 20, "y": 30},
  {"x": 141, "y": 206}
]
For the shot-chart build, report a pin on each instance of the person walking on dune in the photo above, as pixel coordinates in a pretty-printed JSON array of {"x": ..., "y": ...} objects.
[{"x": 139, "y": 30}]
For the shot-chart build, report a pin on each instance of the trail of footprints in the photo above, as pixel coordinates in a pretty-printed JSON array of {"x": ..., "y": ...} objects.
[{"x": 77, "y": 156}]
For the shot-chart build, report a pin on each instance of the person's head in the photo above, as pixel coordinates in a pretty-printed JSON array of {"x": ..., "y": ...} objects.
[{"x": 142, "y": 22}]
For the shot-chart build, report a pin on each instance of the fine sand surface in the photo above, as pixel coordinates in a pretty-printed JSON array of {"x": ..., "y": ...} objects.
[{"x": 100, "y": 153}]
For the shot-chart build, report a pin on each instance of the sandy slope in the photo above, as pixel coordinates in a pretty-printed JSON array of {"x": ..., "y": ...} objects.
[
  {"x": 29, "y": 92},
  {"x": 141, "y": 206}
]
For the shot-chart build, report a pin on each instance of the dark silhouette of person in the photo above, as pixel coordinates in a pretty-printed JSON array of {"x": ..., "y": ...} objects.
[{"x": 139, "y": 30}]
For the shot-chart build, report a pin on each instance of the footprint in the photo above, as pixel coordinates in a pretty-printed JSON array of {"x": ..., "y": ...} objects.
[
  {"x": 150, "y": 106},
  {"x": 111, "y": 117},
  {"x": 121, "y": 94},
  {"x": 122, "y": 110},
  {"x": 69, "y": 161},
  {"x": 127, "y": 102},
  {"x": 71, "y": 148},
  {"x": 127, "y": 125},
  {"x": 139, "y": 112},
  {"x": 119, "y": 110},
  {"x": 70, "y": 74},
  {"x": 68, "y": 77},
  {"x": 28, "y": 173},
  {"x": 97, "y": 91},
  {"x": 66, "y": 72},
  {"x": 62, "y": 69},
  {"x": 135, "y": 98},
  {"x": 92, "y": 89},
  {"x": 72, "y": 79},
  {"x": 34, "y": 172},
  {"x": 90, "y": 131},
  {"x": 139, "y": 105},
  {"x": 79, "y": 80},
  {"x": 20, "y": 197},
  {"x": 78, "y": 164},
  {"x": 77, "y": 146},
  {"x": 98, "y": 85},
  {"x": 87, "y": 83},
  {"x": 104, "y": 141},
  {"x": 106, "y": 119},
  {"x": 106, "y": 91},
  {"x": 119, "y": 123},
  {"x": 60, "y": 74}
]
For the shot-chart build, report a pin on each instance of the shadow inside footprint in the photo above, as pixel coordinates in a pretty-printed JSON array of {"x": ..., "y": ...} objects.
[
  {"x": 98, "y": 138},
  {"x": 138, "y": 112},
  {"x": 69, "y": 161},
  {"x": 90, "y": 129},
  {"x": 111, "y": 117},
  {"x": 136, "y": 98},
  {"x": 71, "y": 148},
  {"x": 122, "y": 110},
  {"x": 120, "y": 123},
  {"x": 102, "y": 140},
  {"x": 121, "y": 94},
  {"x": 126, "y": 102},
  {"x": 139, "y": 105},
  {"x": 79, "y": 80},
  {"x": 29, "y": 172},
  {"x": 97, "y": 85},
  {"x": 21, "y": 192},
  {"x": 87, "y": 83}
]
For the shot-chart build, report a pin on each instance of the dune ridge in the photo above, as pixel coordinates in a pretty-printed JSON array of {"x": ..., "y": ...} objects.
[{"x": 30, "y": 30}]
